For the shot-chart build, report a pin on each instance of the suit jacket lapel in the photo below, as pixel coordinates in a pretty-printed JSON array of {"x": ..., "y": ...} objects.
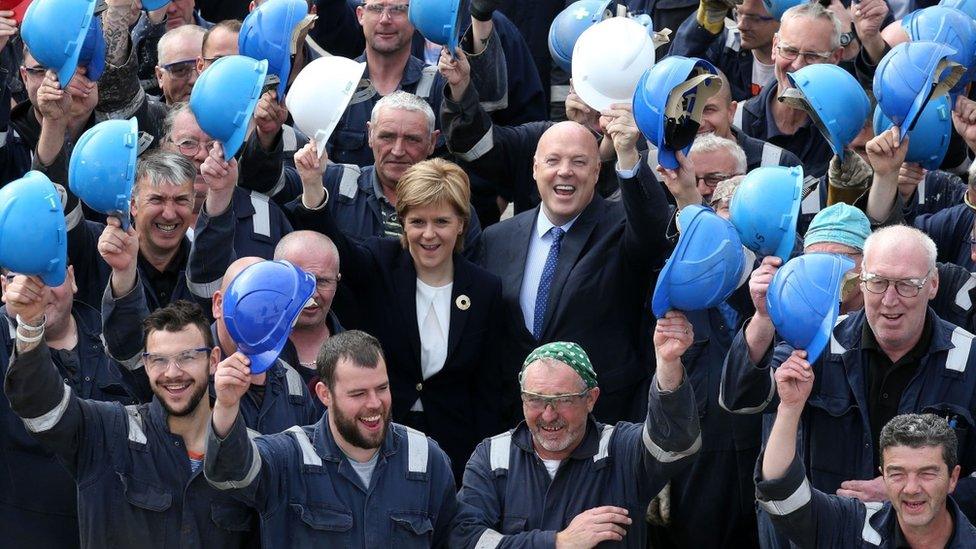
[
  {"x": 569, "y": 253},
  {"x": 405, "y": 279},
  {"x": 513, "y": 270},
  {"x": 463, "y": 278}
]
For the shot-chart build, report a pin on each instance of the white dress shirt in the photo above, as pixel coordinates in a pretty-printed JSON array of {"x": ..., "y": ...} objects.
[
  {"x": 434, "y": 322},
  {"x": 535, "y": 260}
]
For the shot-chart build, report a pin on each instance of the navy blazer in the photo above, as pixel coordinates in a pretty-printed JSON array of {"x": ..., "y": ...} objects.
[
  {"x": 462, "y": 401},
  {"x": 603, "y": 280}
]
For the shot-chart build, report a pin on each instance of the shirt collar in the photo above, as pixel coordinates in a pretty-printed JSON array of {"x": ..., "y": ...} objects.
[{"x": 542, "y": 223}]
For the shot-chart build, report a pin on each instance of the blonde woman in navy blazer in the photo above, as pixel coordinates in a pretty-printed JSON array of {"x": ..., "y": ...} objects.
[{"x": 444, "y": 377}]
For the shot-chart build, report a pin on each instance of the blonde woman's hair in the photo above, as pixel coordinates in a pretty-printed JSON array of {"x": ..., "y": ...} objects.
[{"x": 435, "y": 181}]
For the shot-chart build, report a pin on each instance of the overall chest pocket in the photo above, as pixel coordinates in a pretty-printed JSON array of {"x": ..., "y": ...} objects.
[
  {"x": 960, "y": 420},
  {"x": 320, "y": 525},
  {"x": 231, "y": 516},
  {"x": 145, "y": 508},
  {"x": 411, "y": 529},
  {"x": 834, "y": 439}
]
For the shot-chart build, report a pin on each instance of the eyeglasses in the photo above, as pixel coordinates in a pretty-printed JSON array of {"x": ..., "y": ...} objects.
[
  {"x": 906, "y": 287},
  {"x": 752, "y": 18},
  {"x": 210, "y": 60},
  {"x": 190, "y": 147},
  {"x": 711, "y": 180},
  {"x": 36, "y": 70},
  {"x": 559, "y": 403},
  {"x": 809, "y": 57},
  {"x": 394, "y": 10},
  {"x": 154, "y": 361},
  {"x": 326, "y": 282},
  {"x": 180, "y": 69}
]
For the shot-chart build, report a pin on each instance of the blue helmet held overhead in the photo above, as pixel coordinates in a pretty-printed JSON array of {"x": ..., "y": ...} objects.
[
  {"x": 669, "y": 101},
  {"x": 837, "y": 103},
  {"x": 260, "y": 306},
  {"x": 949, "y": 26},
  {"x": 224, "y": 97},
  {"x": 570, "y": 24},
  {"x": 966, "y": 6},
  {"x": 706, "y": 266},
  {"x": 765, "y": 209},
  {"x": 55, "y": 32},
  {"x": 102, "y": 169},
  {"x": 777, "y": 8},
  {"x": 267, "y": 33},
  {"x": 33, "y": 235},
  {"x": 150, "y": 5},
  {"x": 909, "y": 76},
  {"x": 929, "y": 141},
  {"x": 804, "y": 300},
  {"x": 437, "y": 20}
]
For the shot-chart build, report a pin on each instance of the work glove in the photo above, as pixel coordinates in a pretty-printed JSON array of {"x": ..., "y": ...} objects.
[
  {"x": 848, "y": 179},
  {"x": 711, "y": 15},
  {"x": 659, "y": 510},
  {"x": 482, "y": 9}
]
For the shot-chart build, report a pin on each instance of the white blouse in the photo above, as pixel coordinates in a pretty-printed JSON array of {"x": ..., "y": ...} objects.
[{"x": 434, "y": 322}]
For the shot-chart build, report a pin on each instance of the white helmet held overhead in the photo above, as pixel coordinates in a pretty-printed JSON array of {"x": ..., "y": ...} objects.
[
  {"x": 319, "y": 95},
  {"x": 608, "y": 60}
]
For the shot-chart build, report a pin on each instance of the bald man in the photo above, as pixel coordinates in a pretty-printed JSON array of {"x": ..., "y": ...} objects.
[
  {"x": 317, "y": 255},
  {"x": 578, "y": 267}
]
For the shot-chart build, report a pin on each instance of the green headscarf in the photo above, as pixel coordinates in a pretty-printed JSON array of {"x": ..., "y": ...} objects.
[{"x": 568, "y": 353}]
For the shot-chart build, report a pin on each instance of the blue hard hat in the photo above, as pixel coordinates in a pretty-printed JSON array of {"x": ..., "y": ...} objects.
[
  {"x": 668, "y": 120},
  {"x": 267, "y": 34},
  {"x": 804, "y": 300},
  {"x": 777, "y": 8},
  {"x": 909, "y": 76},
  {"x": 102, "y": 169},
  {"x": 570, "y": 24},
  {"x": 224, "y": 96},
  {"x": 55, "y": 32},
  {"x": 260, "y": 306},
  {"x": 949, "y": 26},
  {"x": 706, "y": 267},
  {"x": 765, "y": 208},
  {"x": 150, "y": 5},
  {"x": 33, "y": 235},
  {"x": 839, "y": 106},
  {"x": 437, "y": 20},
  {"x": 966, "y": 6},
  {"x": 930, "y": 138},
  {"x": 92, "y": 55}
]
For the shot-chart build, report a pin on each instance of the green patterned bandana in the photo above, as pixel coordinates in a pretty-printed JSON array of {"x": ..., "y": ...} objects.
[{"x": 568, "y": 353}]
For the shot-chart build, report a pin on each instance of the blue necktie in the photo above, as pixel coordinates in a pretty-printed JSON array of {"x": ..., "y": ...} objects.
[{"x": 545, "y": 281}]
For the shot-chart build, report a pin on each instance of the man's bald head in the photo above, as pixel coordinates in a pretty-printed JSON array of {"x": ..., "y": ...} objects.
[
  {"x": 568, "y": 130},
  {"x": 235, "y": 269},
  {"x": 317, "y": 255},
  {"x": 298, "y": 242}
]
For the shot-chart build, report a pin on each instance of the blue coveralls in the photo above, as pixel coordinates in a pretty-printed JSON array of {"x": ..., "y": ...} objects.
[
  {"x": 136, "y": 487},
  {"x": 308, "y": 494},
  {"x": 950, "y": 229}
]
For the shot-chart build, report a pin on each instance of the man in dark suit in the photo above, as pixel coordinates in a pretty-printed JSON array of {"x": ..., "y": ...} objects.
[{"x": 580, "y": 268}]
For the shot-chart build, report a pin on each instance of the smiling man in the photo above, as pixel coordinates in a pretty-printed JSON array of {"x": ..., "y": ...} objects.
[
  {"x": 597, "y": 479},
  {"x": 919, "y": 470},
  {"x": 578, "y": 267},
  {"x": 354, "y": 479},
  {"x": 139, "y": 467}
]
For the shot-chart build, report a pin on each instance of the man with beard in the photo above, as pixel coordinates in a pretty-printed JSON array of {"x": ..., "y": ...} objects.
[
  {"x": 354, "y": 479},
  {"x": 138, "y": 468},
  {"x": 563, "y": 478}
]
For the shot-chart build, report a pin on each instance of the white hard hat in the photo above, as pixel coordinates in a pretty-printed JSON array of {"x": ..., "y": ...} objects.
[
  {"x": 608, "y": 60},
  {"x": 319, "y": 95}
]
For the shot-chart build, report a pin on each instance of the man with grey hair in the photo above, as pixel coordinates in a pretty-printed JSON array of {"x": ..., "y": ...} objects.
[
  {"x": 894, "y": 356},
  {"x": 176, "y": 66},
  {"x": 152, "y": 253},
  {"x": 596, "y": 479},
  {"x": 919, "y": 470},
  {"x": 808, "y": 34},
  {"x": 400, "y": 134}
]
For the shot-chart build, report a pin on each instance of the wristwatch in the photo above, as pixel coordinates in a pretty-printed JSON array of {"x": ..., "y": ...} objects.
[{"x": 846, "y": 38}]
